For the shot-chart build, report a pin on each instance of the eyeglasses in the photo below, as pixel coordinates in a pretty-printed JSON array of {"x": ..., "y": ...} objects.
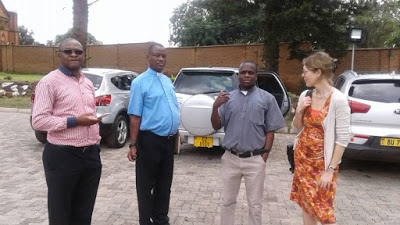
[
  {"x": 70, "y": 51},
  {"x": 306, "y": 71}
]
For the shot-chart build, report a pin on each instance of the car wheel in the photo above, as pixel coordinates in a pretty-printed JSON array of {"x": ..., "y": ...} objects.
[
  {"x": 119, "y": 133},
  {"x": 41, "y": 136}
]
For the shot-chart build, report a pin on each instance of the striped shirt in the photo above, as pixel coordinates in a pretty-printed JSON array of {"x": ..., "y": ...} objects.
[{"x": 60, "y": 97}]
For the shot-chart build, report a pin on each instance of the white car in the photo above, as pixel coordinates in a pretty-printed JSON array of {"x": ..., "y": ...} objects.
[
  {"x": 112, "y": 91},
  {"x": 196, "y": 90},
  {"x": 374, "y": 99}
]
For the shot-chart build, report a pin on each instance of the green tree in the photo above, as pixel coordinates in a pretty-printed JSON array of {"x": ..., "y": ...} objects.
[
  {"x": 91, "y": 40},
  {"x": 50, "y": 43},
  {"x": 25, "y": 36},
  {"x": 380, "y": 21},
  {"x": 216, "y": 22},
  {"x": 323, "y": 23}
]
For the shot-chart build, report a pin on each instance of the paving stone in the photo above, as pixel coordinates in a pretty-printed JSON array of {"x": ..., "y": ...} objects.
[{"x": 367, "y": 192}]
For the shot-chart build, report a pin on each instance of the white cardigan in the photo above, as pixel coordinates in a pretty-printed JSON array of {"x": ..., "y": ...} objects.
[{"x": 336, "y": 125}]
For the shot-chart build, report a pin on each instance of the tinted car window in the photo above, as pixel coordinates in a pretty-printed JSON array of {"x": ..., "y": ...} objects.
[
  {"x": 339, "y": 83},
  {"x": 269, "y": 83},
  {"x": 387, "y": 91},
  {"x": 122, "y": 82},
  {"x": 96, "y": 80},
  {"x": 205, "y": 82}
]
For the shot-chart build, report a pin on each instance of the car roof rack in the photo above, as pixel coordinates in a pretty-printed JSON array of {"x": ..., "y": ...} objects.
[
  {"x": 352, "y": 72},
  {"x": 360, "y": 73}
]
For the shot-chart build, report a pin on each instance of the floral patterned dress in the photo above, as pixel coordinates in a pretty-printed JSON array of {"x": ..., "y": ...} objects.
[{"x": 309, "y": 164}]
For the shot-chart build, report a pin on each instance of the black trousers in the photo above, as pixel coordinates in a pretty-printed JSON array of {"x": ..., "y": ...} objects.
[
  {"x": 72, "y": 177},
  {"x": 154, "y": 170}
]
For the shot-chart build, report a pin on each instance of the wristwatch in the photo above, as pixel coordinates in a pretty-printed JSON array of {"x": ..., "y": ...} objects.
[
  {"x": 132, "y": 144},
  {"x": 331, "y": 167},
  {"x": 266, "y": 149}
]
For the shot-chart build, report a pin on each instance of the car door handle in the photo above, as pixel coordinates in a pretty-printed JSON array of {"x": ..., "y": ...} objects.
[{"x": 397, "y": 111}]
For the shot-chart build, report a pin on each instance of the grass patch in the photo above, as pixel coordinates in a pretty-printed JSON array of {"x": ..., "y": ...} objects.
[
  {"x": 15, "y": 77},
  {"x": 20, "y": 102}
]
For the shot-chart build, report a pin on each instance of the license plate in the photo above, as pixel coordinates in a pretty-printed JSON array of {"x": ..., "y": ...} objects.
[
  {"x": 390, "y": 142},
  {"x": 203, "y": 142}
]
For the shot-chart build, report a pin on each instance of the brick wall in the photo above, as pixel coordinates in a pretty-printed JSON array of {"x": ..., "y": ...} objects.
[
  {"x": 36, "y": 59},
  {"x": 133, "y": 56},
  {"x": 28, "y": 59},
  {"x": 385, "y": 60}
]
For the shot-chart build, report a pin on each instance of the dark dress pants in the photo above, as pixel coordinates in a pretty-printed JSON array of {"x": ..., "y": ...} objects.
[
  {"x": 72, "y": 177},
  {"x": 154, "y": 170}
]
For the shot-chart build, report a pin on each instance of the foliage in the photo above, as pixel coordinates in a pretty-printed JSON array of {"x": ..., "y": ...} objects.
[
  {"x": 380, "y": 21},
  {"x": 25, "y": 36},
  {"x": 325, "y": 24},
  {"x": 216, "y": 22},
  {"x": 322, "y": 23},
  {"x": 209, "y": 22},
  {"x": 91, "y": 40}
]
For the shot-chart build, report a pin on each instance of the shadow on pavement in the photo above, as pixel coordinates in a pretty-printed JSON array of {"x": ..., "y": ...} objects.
[{"x": 373, "y": 167}]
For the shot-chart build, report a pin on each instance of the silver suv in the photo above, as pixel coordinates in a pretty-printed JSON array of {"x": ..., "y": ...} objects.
[
  {"x": 112, "y": 88},
  {"x": 196, "y": 90},
  {"x": 374, "y": 99}
]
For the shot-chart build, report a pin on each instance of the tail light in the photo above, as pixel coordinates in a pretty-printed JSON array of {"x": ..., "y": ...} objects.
[
  {"x": 358, "y": 136},
  {"x": 357, "y": 107},
  {"x": 104, "y": 100},
  {"x": 33, "y": 98}
]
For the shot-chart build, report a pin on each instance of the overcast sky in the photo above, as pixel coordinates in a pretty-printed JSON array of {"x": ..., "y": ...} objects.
[{"x": 110, "y": 21}]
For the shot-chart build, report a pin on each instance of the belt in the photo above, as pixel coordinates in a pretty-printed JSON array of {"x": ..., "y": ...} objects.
[
  {"x": 168, "y": 137},
  {"x": 74, "y": 148},
  {"x": 84, "y": 148},
  {"x": 249, "y": 153}
]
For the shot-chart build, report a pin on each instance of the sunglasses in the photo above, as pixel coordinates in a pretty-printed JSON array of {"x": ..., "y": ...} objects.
[{"x": 70, "y": 51}]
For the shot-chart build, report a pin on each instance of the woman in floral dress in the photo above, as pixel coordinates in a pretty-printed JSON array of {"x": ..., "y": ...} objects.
[{"x": 323, "y": 120}]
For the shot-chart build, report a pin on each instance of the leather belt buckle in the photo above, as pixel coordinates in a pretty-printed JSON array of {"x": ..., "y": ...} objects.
[
  {"x": 243, "y": 154},
  {"x": 247, "y": 154},
  {"x": 170, "y": 136},
  {"x": 85, "y": 148}
]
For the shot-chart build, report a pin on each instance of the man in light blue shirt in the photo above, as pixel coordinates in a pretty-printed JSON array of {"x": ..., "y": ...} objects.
[{"x": 154, "y": 112}]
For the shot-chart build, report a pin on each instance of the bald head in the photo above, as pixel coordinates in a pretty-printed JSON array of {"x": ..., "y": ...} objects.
[
  {"x": 69, "y": 41},
  {"x": 250, "y": 62}
]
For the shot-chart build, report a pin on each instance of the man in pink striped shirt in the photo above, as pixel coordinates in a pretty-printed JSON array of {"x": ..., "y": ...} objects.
[{"x": 65, "y": 108}]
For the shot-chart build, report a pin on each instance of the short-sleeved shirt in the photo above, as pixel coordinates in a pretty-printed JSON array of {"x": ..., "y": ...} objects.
[
  {"x": 153, "y": 99},
  {"x": 247, "y": 118}
]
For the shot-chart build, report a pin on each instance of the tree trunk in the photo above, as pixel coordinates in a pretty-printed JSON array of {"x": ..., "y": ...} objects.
[
  {"x": 80, "y": 24},
  {"x": 271, "y": 44}
]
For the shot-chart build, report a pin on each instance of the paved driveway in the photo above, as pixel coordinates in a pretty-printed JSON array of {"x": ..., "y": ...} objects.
[{"x": 367, "y": 193}]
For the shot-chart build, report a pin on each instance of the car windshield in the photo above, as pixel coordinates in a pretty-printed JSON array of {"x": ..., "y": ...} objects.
[
  {"x": 205, "y": 82},
  {"x": 387, "y": 91},
  {"x": 96, "y": 80}
]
